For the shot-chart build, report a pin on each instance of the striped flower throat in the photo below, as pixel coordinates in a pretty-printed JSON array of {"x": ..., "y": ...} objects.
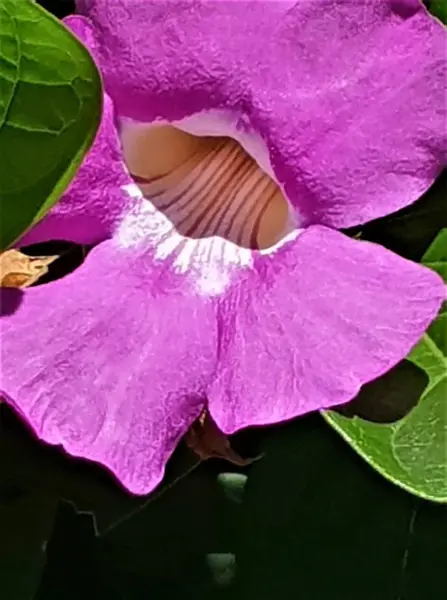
[{"x": 206, "y": 186}]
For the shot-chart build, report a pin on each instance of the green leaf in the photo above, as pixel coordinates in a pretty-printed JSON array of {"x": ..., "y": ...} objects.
[
  {"x": 412, "y": 452},
  {"x": 26, "y": 524},
  {"x": 50, "y": 108},
  {"x": 439, "y": 9},
  {"x": 436, "y": 255}
]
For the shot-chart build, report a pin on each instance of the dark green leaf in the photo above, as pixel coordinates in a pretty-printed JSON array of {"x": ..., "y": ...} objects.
[
  {"x": 50, "y": 107},
  {"x": 26, "y": 464},
  {"x": 439, "y": 9},
  {"x": 26, "y": 523},
  {"x": 313, "y": 522},
  {"x": 72, "y": 572},
  {"x": 59, "y": 8},
  {"x": 412, "y": 451},
  {"x": 317, "y": 524},
  {"x": 390, "y": 397},
  {"x": 179, "y": 547},
  {"x": 233, "y": 485},
  {"x": 410, "y": 231}
]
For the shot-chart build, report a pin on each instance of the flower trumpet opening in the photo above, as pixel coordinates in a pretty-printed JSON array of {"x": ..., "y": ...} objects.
[{"x": 207, "y": 186}]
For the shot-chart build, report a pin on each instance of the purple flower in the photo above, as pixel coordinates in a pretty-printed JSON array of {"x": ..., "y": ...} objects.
[{"x": 340, "y": 103}]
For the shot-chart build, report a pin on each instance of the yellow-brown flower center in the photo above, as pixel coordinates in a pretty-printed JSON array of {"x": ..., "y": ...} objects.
[{"x": 206, "y": 186}]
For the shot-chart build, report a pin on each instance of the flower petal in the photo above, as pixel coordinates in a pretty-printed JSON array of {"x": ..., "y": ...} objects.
[
  {"x": 94, "y": 203},
  {"x": 338, "y": 91},
  {"x": 111, "y": 362},
  {"x": 312, "y": 322}
]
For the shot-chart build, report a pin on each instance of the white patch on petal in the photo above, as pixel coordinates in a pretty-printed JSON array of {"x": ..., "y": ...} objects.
[
  {"x": 209, "y": 261},
  {"x": 212, "y": 261},
  {"x": 168, "y": 246},
  {"x": 143, "y": 222}
]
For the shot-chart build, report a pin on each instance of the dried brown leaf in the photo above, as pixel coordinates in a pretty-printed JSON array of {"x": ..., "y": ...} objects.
[
  {"x": 18, "y": 270},
  {"x": 207, "y": 441}
]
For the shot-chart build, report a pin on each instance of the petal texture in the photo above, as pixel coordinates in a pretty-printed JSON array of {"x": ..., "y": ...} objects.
[
  {"x": 111, "y": 361},
  {"x": 308, "y": 325},
  {"x": 93, "y": 205},
  {"x": 337, "y": 90}
]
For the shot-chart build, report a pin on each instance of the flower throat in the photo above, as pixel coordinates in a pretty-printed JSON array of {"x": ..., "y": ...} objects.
[{"x": 206, "y": 186}]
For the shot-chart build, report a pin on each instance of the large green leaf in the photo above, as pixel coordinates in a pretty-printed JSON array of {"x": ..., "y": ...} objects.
[
  {"x": 412, "y": 452},
  {"x": 50, "y": 108}
]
